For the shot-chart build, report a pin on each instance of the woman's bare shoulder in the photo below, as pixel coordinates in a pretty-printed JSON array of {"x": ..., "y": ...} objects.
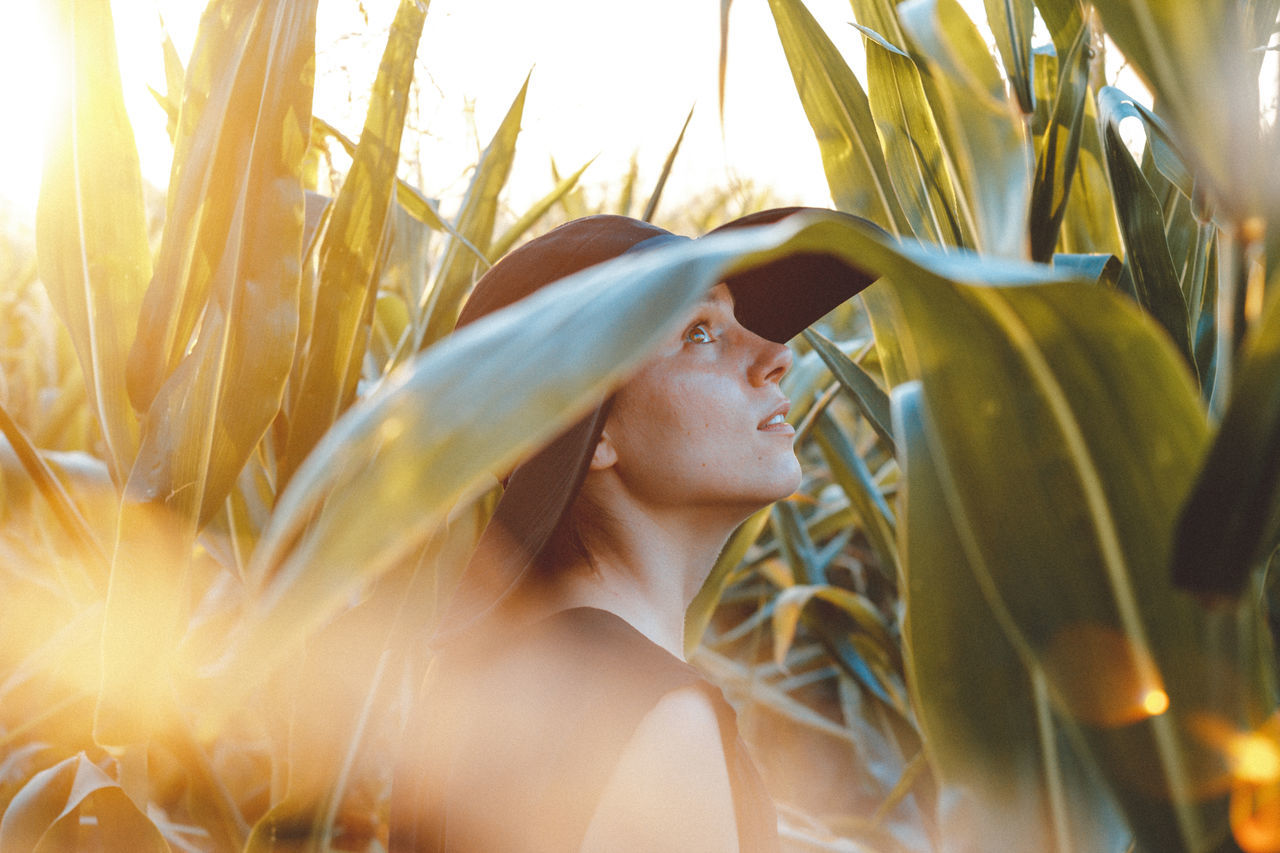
[{"x": 670, "y": 789}]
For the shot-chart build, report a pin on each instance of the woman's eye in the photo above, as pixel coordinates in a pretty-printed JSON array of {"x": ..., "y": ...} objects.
[{"x": 699, "y": 333}]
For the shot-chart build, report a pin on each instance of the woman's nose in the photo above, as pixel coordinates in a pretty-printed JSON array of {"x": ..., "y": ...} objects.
[{"x": 772, "y": 362}]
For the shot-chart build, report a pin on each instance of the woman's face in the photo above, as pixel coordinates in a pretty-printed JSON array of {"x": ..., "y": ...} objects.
[{"x": 701, "y": 423}]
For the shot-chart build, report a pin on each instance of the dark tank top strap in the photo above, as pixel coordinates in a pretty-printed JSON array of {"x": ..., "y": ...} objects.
[{"x": 528, "y": 728}]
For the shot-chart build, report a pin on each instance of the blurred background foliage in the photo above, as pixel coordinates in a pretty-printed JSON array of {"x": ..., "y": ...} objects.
[{"x": 1021, "y": 602}]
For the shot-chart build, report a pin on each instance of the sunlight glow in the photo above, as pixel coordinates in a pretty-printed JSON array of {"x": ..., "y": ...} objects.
[
  {"x": 1104, "y": 677},
  {"x": 1155, "y": 702},
  {"x": 27, "y": 60},
  {"x": 1255, "y": 758}
]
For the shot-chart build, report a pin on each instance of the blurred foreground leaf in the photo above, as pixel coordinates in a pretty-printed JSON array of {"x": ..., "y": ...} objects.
[
  {"x": 46, "y": 814},
  {"x": 1065, "y": 504},
  {"x": 987, "y": 721},
  {"x": 218, "y": 328},
  {"x": 1231, "y": 522}
]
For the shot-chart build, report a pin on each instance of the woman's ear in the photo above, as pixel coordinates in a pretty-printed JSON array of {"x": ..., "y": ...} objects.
[{"x": 605, "y": 455}]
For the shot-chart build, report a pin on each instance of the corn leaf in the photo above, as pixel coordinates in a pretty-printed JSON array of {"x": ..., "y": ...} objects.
[
  {"x": 45, "y": 815},
  {"x": 984, "y": 131},
  {"x": 1194, "y": 56},
  {"x": 1063, "y": 19},
  {"x": 92, "y": 245},
  {"x": 840, "y": 115},
  {"x": 351, "y": 251},
  {"x": 698, "y": 616},
  {"x": 1065, "y": 499},
  {"x": 1090, "y": 226},
  {"x": 55, "y": 495},
  {"x": 414, "y": 202},
  {"x": 880, "y": 17},
  {"x": 987, "y": 722},
  {"x": 916, "y": 160},
  {"x": 175, "y": 78},
  {"x": 651, "y": 206},
  {"x": 1059, "y": 151},
  {"x": 791, "y": 601},
  {"x": 229, "y": 260},
  {"x": 1156, "y": 284},
  {"x": 539, "y": 209},
  {"x": 831, "y": 625},
  {"x": 1231, "y": 521},
  {"x": 866, "y": 393},
  {"x": 475, "y": 222},
  {"x": 1011, "y": 22},
  {"x": 851, "y": 472},
  {"x": 1103, "y": 269}
]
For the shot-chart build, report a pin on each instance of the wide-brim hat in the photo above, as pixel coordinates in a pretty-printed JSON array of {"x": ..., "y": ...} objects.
[{"x": 775, "y": 301}]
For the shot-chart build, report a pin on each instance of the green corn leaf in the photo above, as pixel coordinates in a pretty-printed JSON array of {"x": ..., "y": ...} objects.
[
  {"x": 1059, "y": 150},
  {"x": 867, "y": 394},
  {"x": 988, "y": 725},
  {"x": 984, "y": 131},
  {"x": 879, "y": 306},
  {"x": 572, "y": 203},
  {"x": 915, "y": 158},
  {"x": 1231, "y": 521},
  {"x": 850, "y": 471},
  {"x": 1156, "y": 284},
  {"x": 45, "y": 815},
  {"x": 1067, "y": 433},
  {"x": 651, "y": 206},
  {"x": 539, "y": 209},
  {"x": 351, "y": 252},
  {"x": 1102, "y": 269},
  {"x": 1090, "y": 226},
  {"x": 1011, "y": 22},
  {"x": 881, "y": 17},
  {"x": 627, "y": 193},
  {"x": 791, "y": 601},
  {"x": 698, "y": 616},
  {"x": 827, "y": 621},
  {"x": 840, "y": 115},
  {"x": 1195, "y": 57},
  {"x": 92, "y": 245},
  {"x": 1063, "y": 18},
  {"x": 217, "y": 333},
  {"x": 474, "y": 404},
  {"x": 475, "y": 222},
  {"x": 414, "y": 202}
]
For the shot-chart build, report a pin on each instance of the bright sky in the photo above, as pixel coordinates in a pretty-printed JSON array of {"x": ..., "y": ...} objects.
[{"x": 607, "y": 80}]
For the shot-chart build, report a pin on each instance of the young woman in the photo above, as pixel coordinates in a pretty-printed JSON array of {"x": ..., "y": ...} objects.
[{"x": 559, "y": 713}]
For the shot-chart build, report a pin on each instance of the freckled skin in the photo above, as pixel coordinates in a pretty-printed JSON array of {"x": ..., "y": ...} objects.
[{"x": 685, "y": 427}]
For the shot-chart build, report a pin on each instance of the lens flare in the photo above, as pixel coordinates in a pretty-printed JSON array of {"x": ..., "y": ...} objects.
[
  {"x": 1103, "y": 677},
  {"x": 1155, "y": 702}
]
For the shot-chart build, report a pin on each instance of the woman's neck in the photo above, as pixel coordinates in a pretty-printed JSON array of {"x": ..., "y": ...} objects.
[{"x": 646, "y": 570}]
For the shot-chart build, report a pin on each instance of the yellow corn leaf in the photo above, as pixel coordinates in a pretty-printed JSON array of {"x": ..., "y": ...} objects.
[{"x": 91, "y": 226}]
